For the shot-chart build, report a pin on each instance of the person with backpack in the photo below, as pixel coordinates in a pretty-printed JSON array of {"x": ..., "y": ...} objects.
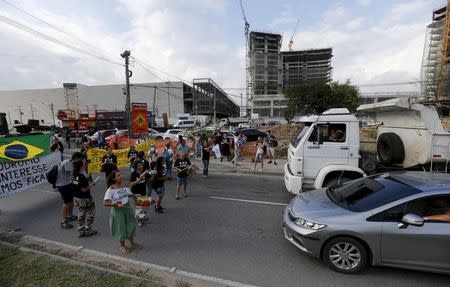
[
  {"x": 168, "y": 158},
  {"x": 83, "y": 200},
  {"x": 66, "y": 189},
  {"x": 272, "y": 143}
]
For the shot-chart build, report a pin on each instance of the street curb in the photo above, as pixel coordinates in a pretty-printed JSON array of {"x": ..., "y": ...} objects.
[
  {"x": 237, "y": 170},
  {"x": 169, "y": 276}
]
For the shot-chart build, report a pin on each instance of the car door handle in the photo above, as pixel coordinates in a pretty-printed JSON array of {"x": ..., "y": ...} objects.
[{"x": 344, "y": 148}]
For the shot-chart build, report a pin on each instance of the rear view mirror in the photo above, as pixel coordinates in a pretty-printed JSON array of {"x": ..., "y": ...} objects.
[{"x": 411, "y": 219}]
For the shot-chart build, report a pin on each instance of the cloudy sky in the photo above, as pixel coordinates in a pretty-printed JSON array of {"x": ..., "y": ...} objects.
[{"x": 373, "y": 41}]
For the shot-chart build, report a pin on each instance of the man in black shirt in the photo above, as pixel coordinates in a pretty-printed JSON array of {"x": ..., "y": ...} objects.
[
  {"x": 205, "y": 157},
  {"x": 182, "y": 164},
  {"x": 109, "y": 162}
]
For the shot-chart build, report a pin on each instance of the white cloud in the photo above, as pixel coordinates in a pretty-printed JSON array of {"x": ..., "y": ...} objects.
[{"x": 364, "y": 3}]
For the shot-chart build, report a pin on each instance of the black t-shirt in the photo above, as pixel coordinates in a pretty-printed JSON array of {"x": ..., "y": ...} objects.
[
  {"x": 81, "y": 182},
  {"x": 158, "y": 180},
  {"x": 140, "y": 187},
  {"x": 181, "y": 164},
  {"x": 132, "y": 155},
  {"x": 205, "y": 153},
  {"x": 109, "y": 163}
]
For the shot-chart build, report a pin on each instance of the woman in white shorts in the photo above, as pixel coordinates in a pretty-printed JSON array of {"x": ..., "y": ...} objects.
[{"x": 259, "y": 153}]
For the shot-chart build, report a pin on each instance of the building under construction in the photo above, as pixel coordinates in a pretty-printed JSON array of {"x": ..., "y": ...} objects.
[
  {"x": 271, "y": 71},
  {"x": 435, "y": 74}
]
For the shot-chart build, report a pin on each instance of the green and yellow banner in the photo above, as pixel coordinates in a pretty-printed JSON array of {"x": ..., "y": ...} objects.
[{"x": 24, "y": 147}]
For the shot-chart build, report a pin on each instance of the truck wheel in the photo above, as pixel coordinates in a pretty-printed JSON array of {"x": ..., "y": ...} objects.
[
  {"x": 345, "y": 255},
  {"x": 390, "y": 149},
  {"x": 336, "y": 180}
]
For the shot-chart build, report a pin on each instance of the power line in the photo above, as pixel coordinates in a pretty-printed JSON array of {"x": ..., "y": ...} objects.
[
  {"x": 56, "y": 28},
  {"x": 159, "y": 70},
  {"x": 44, "y": 36}
]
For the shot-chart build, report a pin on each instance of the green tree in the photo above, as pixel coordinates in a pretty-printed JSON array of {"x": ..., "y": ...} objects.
[{"x": 317, "y": 97}]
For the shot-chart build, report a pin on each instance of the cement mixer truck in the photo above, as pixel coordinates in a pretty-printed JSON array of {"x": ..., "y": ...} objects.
[{"x": 326, "y": 150}]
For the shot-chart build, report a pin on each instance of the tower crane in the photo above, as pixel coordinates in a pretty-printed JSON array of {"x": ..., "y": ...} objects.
[
  {"x": 248, "y": 76},
  {"x": 291, "y": 42}
]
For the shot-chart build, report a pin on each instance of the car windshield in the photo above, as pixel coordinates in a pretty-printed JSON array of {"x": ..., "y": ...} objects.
[
  {"x": 301, "y": 133},
  {"x": 174, "y": 132},
  {"x": 369, "y": 192}
]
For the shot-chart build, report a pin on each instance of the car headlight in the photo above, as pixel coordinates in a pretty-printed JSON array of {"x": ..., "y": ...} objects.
[{"x": 308, "y": 224}]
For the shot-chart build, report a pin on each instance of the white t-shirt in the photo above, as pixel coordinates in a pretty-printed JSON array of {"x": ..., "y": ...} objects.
[
  {"x": 118, "y": 194},
  {"x": 260, "y": 149}
]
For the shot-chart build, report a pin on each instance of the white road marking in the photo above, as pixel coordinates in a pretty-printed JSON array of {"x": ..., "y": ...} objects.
[{"x": 249, "y": 201}]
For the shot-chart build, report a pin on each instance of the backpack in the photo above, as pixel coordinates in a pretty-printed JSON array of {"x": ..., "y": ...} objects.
[
  {"x": 52, "y": 175},
  {"x": 166, "y": 154}
]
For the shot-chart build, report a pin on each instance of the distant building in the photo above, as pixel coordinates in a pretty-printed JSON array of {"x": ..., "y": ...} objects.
[{"x": 272, "y": 71}]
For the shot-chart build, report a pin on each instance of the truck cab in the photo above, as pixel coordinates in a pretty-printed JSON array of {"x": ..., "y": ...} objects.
[{"x": 325, "y": 151}]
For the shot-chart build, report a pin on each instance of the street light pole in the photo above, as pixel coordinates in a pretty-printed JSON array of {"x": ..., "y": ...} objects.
[{"x": 126, "y": 55}]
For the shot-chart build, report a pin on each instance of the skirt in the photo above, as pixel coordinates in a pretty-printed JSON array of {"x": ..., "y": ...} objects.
[{"x": 123, "y": 222}]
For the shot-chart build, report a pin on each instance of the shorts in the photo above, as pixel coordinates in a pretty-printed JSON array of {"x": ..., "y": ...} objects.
[
  {"x": 67, "y": 193},
  {"x": 160, "y": 190},
  {"x": 259, "y": 155},
  {"x": 271, "y": 150},
  {"x": 182, "y": 180}
]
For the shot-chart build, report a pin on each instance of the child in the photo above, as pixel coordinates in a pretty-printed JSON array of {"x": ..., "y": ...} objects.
[
  {"x": 182, "y": 164},
  {"x": 158, "y": 178},
  {"x": 168, "y": 158}
]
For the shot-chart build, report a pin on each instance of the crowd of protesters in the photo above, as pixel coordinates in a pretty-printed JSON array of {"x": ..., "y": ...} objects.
[{"x": 149, "y": 172}]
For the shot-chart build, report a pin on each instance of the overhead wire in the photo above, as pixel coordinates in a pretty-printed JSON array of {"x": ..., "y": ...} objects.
[
  {"x": 44, "y": 36},
  {"x": 57, "y": 28}
]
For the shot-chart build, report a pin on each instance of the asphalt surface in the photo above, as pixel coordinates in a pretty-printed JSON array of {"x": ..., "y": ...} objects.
[{"x": 233, "y": 240}]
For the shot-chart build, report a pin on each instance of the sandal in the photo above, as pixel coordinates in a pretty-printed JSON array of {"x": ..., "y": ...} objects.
[
  {"x": 136, "y": 246},
  {"x": 124, "y": 250}
]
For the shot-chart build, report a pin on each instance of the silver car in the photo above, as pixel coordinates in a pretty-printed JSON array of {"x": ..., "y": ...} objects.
[{"x": 397, "y": 219}]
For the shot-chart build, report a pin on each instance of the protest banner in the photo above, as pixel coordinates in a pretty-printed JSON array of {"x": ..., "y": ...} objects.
[
  {"x": 95, "y": 156},
  {"x": 17, "y": 176},
  {"x": 24, "y": 147},
  {"x": 139, "y": 116}
]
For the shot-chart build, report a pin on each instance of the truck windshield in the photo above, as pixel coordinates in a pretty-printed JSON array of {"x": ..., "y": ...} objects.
[{"x": 301, "y": 133}]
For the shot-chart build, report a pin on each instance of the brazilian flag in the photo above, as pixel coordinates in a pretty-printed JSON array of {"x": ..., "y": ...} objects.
[{"x": 24, "y": 147}]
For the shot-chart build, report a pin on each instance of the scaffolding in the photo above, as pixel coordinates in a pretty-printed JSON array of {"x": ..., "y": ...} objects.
[{"x": 435, "y": 73}]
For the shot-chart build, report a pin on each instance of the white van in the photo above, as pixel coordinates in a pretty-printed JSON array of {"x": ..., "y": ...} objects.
[{"x": 184, "y": 124}]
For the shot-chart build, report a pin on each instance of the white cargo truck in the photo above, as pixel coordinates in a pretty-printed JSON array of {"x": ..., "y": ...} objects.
[{"x": 326, "y": 150}]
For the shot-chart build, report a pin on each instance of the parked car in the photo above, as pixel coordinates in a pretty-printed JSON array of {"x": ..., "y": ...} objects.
[
  {"x": 93, "y": 138},
  {"x": 174, "y": 133},
  {"x": 252, "y": 134},
  {"x": 392, "y": 219},
  {"x": 121, "y": 134},
  {"x": 154, "y": 134}
]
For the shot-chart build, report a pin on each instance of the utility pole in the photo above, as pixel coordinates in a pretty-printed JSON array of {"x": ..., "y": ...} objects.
[
  {"x": 168, "y": 97},
  {"x": 126, "y": 55},
  {"x": 53, "y": 113},
  {"x": 240, "y": 110},
  {"x": 215, "y": 114},
  {"x": 20, "y": 113},
  {"x": 32, "y": 111},
  {"x": 154, "y": 107}
]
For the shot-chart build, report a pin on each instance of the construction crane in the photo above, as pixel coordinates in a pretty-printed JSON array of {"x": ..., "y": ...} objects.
[
  {"x": 246, "y": 25},
  {"x": 248, "y": 76},
  {"x": 291, "y": 42}
]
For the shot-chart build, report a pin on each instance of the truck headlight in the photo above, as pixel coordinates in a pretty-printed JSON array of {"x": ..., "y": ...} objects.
[{"x": 308, "y": 224}]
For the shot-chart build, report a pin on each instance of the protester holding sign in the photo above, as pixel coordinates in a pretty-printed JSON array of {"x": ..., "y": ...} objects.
[
  {"x": 122, "y": 218},
  {"x": 109, "y": 162},
  {"x": 66, "y": 189},
  {"x": 83, "y": 200}
]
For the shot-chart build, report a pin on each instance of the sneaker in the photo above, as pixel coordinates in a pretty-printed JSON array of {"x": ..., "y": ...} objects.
[
  {"x": 260, "y": 170},
  {"x": 177, "y": 198},
  {"x": 81, "y": 233},
  {"x": 66, "y": 225},
  {"x": 71, "y": 218},
  {"x": 269, "y": 161},
  {"x": 89, "y": 232},
  {"x": 275, "y": 163}
]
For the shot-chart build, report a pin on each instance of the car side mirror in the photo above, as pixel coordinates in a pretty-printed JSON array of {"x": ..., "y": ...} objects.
[{"x": 411, "y": 219}]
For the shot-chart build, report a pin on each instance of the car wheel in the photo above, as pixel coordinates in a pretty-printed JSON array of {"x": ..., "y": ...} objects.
[{"x": 345, "y": 255}]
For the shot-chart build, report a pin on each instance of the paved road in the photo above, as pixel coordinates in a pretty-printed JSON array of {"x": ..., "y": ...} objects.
[{"x": 234, "y": 240}]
